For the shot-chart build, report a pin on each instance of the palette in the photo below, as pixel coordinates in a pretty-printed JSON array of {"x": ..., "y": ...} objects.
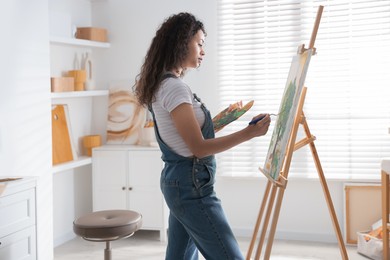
[{"x": 229, "y": 115}]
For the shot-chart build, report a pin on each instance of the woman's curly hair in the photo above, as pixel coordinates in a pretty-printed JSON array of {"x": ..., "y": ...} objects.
[{"x": 169, "y": 48}]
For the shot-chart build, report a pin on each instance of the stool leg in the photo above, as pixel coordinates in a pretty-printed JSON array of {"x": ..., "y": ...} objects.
[{"x": 107, "y": 251}]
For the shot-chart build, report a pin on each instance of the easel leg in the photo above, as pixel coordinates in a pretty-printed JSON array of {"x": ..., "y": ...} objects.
[
  {"x": 266, "y": 221},
  {"x": 274, "y": 223},
  {"x": 327, "y": 194},
  {"x": 258, "y": 221}
]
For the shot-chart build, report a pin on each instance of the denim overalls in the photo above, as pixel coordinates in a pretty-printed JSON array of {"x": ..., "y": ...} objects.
[{"x": 196, "y": 219}]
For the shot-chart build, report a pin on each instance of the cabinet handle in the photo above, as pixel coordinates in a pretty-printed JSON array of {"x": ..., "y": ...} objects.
[
  {"x": 123, "y": 188},
  {"x": 130, "y": 188}
]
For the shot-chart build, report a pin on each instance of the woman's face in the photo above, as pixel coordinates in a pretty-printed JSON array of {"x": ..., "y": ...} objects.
[{"x": 195, "y": 51}]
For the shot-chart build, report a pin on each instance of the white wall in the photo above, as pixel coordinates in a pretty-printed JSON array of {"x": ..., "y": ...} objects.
[
  {"x": 132, "y": 25},
  {"x": 25, "y": 135}
]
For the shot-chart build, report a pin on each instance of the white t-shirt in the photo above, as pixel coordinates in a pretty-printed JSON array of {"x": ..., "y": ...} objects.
[{"x": 172, "y": 93}]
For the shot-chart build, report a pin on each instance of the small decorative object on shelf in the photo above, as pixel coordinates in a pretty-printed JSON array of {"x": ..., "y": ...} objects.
[
  {"x": 87, "y": 66},
  {"x": 91, "y": 141},
  {"x": 4, "y": 182},
  {"x": 62, "y": 84},
  {"x": 148, "y": 137},
  {"x": 91, "y": 33},
  {"x": 80, "y": 77}
]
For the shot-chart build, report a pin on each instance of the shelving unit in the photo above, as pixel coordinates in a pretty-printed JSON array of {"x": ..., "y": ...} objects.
[
  {"x": 78, "y": 42},
  {"x": 86, "y": 110},
  {"x": 72, "y": 96},
  {"x": 75, "y": 94},
  {"x": 81, "y": 161}
]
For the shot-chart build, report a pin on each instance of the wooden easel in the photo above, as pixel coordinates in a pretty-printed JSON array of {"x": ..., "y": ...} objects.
[{"x": 275, "y": 188}]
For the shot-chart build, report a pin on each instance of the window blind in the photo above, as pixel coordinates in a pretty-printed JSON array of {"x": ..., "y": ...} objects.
[{"x": 347, "y": 102}]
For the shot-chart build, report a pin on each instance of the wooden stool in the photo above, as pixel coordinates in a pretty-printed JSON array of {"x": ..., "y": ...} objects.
[{"x": 106, "y": 226}]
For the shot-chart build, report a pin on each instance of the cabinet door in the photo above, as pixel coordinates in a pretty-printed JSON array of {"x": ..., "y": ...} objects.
[
  {"x": 144, "y": 183},
  {"x": 17, "y": 211},
  {"x": 20, "y": 245},
  {"x": 109, "y": 180}
]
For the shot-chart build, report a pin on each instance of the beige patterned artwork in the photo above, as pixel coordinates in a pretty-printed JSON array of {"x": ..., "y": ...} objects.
[{"x": 125, "y": 117}]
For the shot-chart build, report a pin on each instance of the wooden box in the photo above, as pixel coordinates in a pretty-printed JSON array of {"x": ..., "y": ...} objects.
[
  {"x": 62, "y": 84},
  {"x": 369, "y": 246},
  {"x": 92, "y": 34}
]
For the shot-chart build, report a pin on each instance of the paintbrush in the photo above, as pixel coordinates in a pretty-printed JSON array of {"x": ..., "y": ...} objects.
[{"x": 254, "y": 121}]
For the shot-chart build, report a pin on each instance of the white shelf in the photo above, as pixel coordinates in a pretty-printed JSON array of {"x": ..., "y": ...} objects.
[
  {"x": 81, "y": 161},
  {"x": 74, "y": 94},
  {"x": 78, "y": 42}
]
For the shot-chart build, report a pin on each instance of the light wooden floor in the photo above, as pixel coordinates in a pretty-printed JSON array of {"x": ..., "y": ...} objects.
[{"x": 145, "y": 245}]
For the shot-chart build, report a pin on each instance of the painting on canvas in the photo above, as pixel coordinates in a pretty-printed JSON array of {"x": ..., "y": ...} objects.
[
  {"x": 286, "y": 114},
  {"x": 126, "y": 118}
]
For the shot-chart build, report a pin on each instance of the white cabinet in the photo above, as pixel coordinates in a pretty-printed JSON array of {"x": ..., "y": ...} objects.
[
  {"x": 18, "y": 220},
  {"x": 128, "y": 177}
]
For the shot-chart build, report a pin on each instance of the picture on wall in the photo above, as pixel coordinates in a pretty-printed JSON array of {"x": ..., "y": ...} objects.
[
  {"x": 286, "y": 114},
  {"x": 126, "y": 118}
]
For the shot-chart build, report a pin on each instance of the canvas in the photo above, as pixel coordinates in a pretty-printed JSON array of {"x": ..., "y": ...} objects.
[
  {"x": 126, "y": 118},
  {"x": 286, "y": 114}
]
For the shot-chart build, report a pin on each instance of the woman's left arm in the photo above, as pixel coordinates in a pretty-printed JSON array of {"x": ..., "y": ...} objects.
[{"x": 186, "y": 124}]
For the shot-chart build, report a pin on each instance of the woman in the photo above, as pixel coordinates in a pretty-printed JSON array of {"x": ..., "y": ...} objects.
[{"x": 184, "y": 131}]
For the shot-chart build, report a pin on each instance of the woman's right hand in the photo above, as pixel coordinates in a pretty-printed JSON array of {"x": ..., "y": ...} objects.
[{"x": 261, "y": 127}]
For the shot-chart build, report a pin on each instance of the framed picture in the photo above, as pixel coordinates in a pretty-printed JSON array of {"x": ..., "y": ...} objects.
[
  {"x": 286, "y": 114},
  {"x": 126, "y": 118}
]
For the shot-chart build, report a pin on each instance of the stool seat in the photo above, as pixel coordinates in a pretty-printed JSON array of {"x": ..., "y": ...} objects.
[{"x": 107, "y": 224}]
